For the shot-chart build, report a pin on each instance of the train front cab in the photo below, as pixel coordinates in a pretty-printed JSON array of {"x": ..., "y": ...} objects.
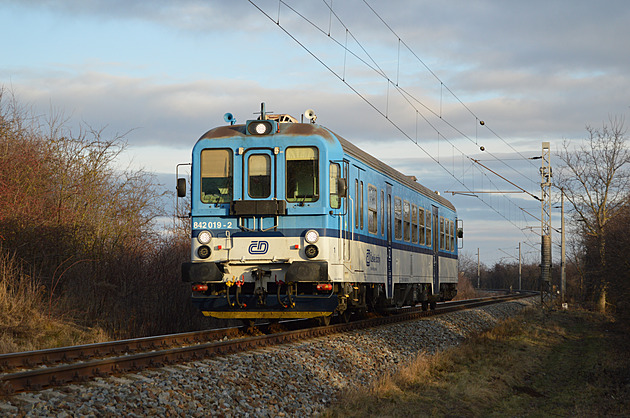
[
  {"x": 278, "y": 227},
  {"x": 266, "y": 205}
]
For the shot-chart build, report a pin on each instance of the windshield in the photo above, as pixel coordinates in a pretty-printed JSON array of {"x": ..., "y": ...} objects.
[{"x": 216, "y": 176}]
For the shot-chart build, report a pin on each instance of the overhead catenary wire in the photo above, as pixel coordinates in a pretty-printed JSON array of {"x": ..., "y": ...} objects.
[
  {"x": 442, "y": 85},
  {"x": 390, "y": 83},
  {"x": 375, "y": 67}
]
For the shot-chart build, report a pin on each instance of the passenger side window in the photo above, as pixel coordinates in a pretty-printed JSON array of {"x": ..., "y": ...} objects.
[
  {"x": 414, "y": 224},
  {"x": 397, "y": 218},
  {"x": 441, "y": 233},
  {"x": 406, "y": 223},
  {"x": 422, "y": 230},
  {"x": 429, "y": 229},
  {"x": 372, "y": 209}
]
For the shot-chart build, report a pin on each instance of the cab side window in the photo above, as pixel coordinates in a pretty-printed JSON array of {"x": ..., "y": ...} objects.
[{"x": 302, "y": 174}]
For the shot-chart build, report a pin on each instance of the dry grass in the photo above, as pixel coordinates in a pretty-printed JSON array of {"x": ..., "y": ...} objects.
[
  {"x": 465, "y": 289},
  {"x": 570, "y": 364},
  {"x": 24, "y": 321}
]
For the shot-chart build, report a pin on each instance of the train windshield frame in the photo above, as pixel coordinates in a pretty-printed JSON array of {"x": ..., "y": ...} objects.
[
  {"x": 259, "y": 176},
  {"x": 217, "y": 178},
  {"x": 302, "y": 174}
]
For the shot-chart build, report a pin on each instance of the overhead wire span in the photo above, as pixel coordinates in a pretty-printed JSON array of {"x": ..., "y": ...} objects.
[
  {"x": 442, "y": 85},
  {"x": 439, "y": 114},
  {"x": 405, "y": 94}
]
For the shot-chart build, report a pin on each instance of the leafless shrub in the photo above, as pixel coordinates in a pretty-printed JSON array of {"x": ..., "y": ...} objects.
[
  {"x": 87, "y": 228},
  {"x": 595, "y": 178}
]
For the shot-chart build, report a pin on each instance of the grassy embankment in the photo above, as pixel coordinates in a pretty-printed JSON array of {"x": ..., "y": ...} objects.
[
  {"x": 26, "y": 322},
  {"x": 571, "y": 363}
]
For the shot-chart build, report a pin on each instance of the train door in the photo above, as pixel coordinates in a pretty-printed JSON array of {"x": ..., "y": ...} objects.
[
  {"x": 348, "y": 218},
  {"x": 435, "y": 231},
  {"x": 338, "y": 175},
  {"x": 388, "y": 228},
  {"x": 259, "y": 182},
  {"x": 354, "y": 219}
]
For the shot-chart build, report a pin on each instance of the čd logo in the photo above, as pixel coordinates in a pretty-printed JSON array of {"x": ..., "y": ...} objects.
[{"x": 258, "y": 247}]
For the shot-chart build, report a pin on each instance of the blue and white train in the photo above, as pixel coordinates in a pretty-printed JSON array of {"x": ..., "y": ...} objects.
[{"x": 290, "y": 220}]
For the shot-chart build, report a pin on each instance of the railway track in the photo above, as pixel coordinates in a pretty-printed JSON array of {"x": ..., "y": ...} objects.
[{"x": 66, "y": 365}]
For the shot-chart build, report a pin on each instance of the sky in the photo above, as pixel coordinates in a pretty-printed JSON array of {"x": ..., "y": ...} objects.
[{"x": 409, "y": 81}]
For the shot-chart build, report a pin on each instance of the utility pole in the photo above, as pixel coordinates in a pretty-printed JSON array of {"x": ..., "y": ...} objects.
[
  {"x": 563, "y": 254},
  {"x": 545, "y": 220},
  {"x": 519, "y": 267},
  {"x": 478, "y": 268}
]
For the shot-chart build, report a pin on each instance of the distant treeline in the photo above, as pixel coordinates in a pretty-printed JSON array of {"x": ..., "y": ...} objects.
[{"x": 594, "y": 176}]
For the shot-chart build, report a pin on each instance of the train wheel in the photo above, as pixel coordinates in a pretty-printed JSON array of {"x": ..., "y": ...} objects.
[
  {"x": 425, "y": 305},
  {"x": 433, "y": 305},
  {"x": 324, "y": 321},
  {"x": 345, "y": 316}
]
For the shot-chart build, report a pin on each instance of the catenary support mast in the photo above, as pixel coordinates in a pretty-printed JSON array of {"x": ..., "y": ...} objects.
[{"x": 545, "y": 219}]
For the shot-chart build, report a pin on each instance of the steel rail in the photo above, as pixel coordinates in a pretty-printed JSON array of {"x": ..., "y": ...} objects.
[
  {"x": 44, "y": 377},
  {"x": 30, "y": 359}
]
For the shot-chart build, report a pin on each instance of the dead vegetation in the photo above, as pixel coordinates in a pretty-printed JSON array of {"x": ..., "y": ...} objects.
[
  {"x": 78, "y": 245},
  {"x": 572, "y": 363}
]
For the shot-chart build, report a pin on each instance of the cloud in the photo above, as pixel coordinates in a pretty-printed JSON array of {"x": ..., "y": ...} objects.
[
  {"x": 168, "y": 71},
  {"x": 528, "y": 70},
  {"x": 536, "y": 35},
  {"x": 185, "y": 14}
]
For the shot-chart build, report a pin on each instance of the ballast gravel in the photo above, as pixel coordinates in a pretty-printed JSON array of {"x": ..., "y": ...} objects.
[{"x": 296, "y": 379}]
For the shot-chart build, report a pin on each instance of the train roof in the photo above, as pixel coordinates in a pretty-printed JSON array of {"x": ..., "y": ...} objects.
[
  {"x": 347, "y": 146},
  {"x": 377, "y": 164}
]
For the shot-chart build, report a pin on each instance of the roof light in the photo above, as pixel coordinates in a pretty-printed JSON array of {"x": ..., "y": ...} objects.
[{"x": 261, "y": 127}]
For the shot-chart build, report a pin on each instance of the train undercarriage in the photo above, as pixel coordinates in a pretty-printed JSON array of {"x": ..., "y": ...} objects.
[{"x": 324, "y": 300}]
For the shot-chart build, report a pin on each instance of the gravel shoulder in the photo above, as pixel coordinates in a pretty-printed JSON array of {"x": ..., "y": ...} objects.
[{"x": 298, "y": 379}]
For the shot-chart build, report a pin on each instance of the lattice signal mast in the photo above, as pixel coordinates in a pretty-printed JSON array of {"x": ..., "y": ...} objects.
[{"x": 545, "y": 219}]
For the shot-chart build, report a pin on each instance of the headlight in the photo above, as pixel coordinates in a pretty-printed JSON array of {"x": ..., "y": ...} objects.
[
  {"x": 204, "y": 237},
  {"x": 260, "y": 127},
  {"x": 311, "y": 236},
  {"x": 311, "y": 251},
  {"x": 204, "y": 251}
]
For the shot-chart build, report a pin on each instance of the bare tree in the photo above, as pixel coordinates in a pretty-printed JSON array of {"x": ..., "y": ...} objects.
[{"x": 595, "y": 178}]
